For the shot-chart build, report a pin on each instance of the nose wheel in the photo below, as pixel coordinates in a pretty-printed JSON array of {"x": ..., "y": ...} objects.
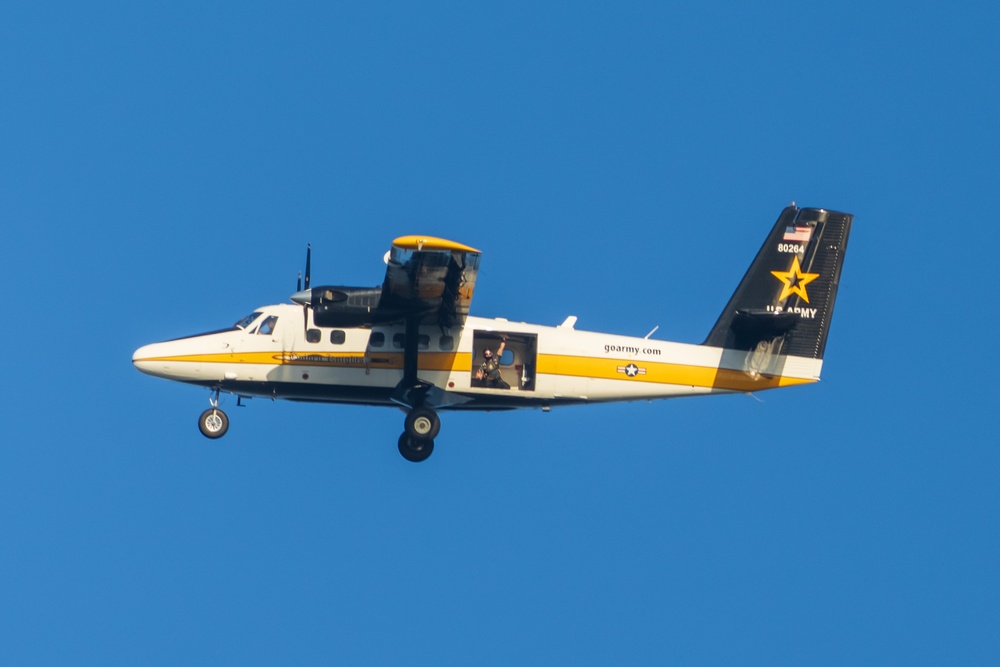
[{"x": 213, "y": 423}]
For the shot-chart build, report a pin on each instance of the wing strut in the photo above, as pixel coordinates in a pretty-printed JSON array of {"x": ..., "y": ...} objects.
[
  {"x": 411, "y": 392},
  {"x": 411, "y": 350}
]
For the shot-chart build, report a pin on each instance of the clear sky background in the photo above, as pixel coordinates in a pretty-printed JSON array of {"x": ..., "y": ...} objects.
[{"x": 162, "y": 169}]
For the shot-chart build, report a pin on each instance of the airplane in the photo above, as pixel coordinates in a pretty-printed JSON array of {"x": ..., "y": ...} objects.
[{"x": 412, "y": 344}]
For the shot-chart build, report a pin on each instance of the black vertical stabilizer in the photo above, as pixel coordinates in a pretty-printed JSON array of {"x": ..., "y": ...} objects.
[{"x": 787, "y": 294}]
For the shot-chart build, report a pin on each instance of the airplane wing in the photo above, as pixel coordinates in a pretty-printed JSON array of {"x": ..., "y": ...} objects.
[{"x": 430, "y": 276}]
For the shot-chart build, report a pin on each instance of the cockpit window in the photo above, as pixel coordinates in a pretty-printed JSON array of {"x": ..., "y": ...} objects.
[
  {"x": 248, "y": 320},
  {"x": 267, "y": 326}
]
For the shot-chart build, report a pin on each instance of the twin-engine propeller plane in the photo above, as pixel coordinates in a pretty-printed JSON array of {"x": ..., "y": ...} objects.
[{"x": 411, "y": 342}]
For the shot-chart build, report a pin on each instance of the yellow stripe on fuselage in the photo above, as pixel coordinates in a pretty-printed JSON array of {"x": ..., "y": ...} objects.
[
  {"x": 661, "y": 373},
  {"x": 429, "y": 361},
  {"x": 607, "y": 369},
  {"x": 548, "y": 364}
]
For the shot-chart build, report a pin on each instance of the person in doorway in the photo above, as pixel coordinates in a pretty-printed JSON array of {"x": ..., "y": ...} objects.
[{"x": 489, "y": 370}]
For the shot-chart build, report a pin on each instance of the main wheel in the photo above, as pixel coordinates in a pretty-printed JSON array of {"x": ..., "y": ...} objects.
[
  {"x": 213, "y": 423},
  {"x": 422, "y": 424},
  {"x": 415, "y": 449}
]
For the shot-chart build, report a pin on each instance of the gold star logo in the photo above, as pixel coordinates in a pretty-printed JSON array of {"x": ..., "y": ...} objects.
[{"x": 795, "y": 281}]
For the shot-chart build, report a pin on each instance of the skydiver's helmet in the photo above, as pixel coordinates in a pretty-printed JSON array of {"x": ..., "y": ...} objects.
[{"x": 488, "y": 354}]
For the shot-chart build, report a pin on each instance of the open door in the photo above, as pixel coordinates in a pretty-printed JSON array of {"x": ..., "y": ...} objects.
[{"x": 515, "y": 356}]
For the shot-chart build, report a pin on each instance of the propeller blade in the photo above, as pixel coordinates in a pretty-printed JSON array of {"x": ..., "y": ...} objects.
[
  {"x": 303, "y": 295},
  {"x": 308, "y": 262}
]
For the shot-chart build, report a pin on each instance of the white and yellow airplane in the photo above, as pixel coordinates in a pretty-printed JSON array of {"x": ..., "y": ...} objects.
[{"x": 411, "y": 342}]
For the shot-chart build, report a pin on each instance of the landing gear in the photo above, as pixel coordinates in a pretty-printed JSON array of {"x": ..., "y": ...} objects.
[
  {"x": 417, "y": 442},
  {"x": 415, "y": 450},
  {"x": 213, "y": 423},
  {"x": 422, "y": 424}
]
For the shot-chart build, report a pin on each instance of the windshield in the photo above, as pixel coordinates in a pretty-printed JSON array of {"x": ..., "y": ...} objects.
[{"x": 248, "y": 320}]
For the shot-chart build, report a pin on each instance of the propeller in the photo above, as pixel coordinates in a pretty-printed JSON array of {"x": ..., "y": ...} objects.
[
  {"x": 309, "y": 250},
  {"x": 298, "y": 286},
  {"x": 304, "y": 296}
]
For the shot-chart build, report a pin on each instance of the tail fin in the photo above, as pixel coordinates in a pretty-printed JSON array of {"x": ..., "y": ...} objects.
[{"x": 785, "y": 300}]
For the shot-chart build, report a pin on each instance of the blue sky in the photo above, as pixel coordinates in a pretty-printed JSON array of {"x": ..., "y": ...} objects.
[{"x": 162, "y": 169}]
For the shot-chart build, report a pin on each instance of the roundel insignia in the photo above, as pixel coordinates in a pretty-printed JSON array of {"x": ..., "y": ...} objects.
[{"x": 631, "y": 370}]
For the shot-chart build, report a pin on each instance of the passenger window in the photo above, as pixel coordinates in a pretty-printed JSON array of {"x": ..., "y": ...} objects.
[
  {"x": 313, "y": 335},
  {"x": 447, "y": 342},
  {"x": 377, "y": 339},
  {"x": 267, "y": 326},
  {"x": 399, "y": 341},
  {"x": 337, "y": 337},
  {"x": 507, "y": 358}
]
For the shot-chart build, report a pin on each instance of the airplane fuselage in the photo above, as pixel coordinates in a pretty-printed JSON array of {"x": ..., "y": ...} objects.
[{"x": 544, "y": 366}]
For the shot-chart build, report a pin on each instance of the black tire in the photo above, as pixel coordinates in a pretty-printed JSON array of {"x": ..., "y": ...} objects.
[
  {"x": 422, "y": 424},
  {"x": 415, "y": 450},
  {"x": 213, "y": 423}
]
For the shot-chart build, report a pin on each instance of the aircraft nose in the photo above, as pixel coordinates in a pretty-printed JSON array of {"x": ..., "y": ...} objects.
[
  {"x": 144, "y": 358},
  {"x": 139, "y": 357},
  {"x": 146, "y": 352}
]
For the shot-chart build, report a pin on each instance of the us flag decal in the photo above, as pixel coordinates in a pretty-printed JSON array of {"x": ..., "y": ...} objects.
[{"x": 799, "y": 234}]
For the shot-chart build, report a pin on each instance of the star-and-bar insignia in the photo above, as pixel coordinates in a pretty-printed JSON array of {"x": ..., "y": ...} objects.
[
  {"x": 631, "y": 370},
  {"x": 795, "y": 281}
]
